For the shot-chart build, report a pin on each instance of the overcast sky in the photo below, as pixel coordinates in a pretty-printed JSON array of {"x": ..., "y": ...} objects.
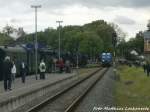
[{"x": 131, "y": 15}]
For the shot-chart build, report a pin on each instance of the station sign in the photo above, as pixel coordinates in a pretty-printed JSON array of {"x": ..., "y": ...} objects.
[{"x": 147, "y": 42}]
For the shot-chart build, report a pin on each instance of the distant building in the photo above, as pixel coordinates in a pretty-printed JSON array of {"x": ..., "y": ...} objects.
[{"x": 147, "y": 42}]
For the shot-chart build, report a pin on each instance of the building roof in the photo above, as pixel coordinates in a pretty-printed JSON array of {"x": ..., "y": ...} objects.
[
  {"x": 12, "y": 49},
  {"x": 147, "y": 35}
]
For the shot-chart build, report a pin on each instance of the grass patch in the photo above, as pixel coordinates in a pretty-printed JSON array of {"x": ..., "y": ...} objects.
[{"x": 136, "y": 93}]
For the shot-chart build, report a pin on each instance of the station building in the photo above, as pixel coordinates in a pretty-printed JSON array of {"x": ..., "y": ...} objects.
[{"x": 147, "y": 44}]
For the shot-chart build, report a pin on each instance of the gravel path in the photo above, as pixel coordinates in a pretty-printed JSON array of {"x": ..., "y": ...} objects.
[{"x": 100, "y": 97}]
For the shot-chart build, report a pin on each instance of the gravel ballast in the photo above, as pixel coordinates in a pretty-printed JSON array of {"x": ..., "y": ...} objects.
[{"x": 100, "y": 98}]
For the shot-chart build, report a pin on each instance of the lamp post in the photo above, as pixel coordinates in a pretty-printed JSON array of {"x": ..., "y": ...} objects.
[
  {"x": 59, "y": 44},
  {"x": 36, "y": 46}
]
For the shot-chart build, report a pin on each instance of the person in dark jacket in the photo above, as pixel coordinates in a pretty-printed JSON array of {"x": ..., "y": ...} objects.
[
  {"x": 7, "y": 66},
  {"x": 144, "y": 67},
  {"x": 61, "y": 65},
  {"x": 148, "y": 68},
  {"x": 23, "y": 70},
  {"x": 67, "y": 66}
]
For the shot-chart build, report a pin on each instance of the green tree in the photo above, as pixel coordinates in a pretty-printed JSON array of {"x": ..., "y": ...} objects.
[
  {"x": 91, "y": 38},
  {"x": 91, "y": 44},
  {"x": 8, "y": 30},
  {"x": 5, "y": 40}
]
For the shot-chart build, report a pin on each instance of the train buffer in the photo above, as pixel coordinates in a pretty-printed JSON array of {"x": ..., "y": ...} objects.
[{"x": 21, "y": 92}]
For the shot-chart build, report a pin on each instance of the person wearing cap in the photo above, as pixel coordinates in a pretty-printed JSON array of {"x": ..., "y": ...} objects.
[{"x": 7, "y": 66}]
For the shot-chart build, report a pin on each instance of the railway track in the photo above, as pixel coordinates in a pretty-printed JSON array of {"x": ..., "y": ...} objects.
[{"x": 68, "y": 98}]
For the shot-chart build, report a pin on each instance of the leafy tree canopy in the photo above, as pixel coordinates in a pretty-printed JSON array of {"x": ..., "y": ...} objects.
[{"x": 92, "y": 38}]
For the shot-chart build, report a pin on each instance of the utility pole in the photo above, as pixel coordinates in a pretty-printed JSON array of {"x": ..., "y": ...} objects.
[
  {"x": 36, "y": 44},
  {"x": 59, "y": 44}
]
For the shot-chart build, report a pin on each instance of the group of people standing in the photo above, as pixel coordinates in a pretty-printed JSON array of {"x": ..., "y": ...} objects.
[
  {"x": 64, "y": 66},
  {"x": 9, "y": 72}
]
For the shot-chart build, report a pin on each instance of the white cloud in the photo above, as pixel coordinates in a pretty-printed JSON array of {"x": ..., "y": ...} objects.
[
  {"x": 131, "y": 15},
  {"x": 124, "y": 20}
]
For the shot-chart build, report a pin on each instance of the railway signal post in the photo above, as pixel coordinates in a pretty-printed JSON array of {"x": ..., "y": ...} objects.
[{"x": 114, "y": 42}]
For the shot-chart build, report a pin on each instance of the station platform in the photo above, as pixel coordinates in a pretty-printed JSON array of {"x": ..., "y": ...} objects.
[
  {"x": 23, "y": 91},
  {"x": 31, "y": 81}
]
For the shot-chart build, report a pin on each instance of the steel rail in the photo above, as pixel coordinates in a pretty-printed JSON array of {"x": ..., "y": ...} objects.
[
  {"x": 76, "y": 102},
  {"x": 52, "y": 98}
]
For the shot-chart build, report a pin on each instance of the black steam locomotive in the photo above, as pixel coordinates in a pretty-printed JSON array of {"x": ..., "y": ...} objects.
[{"x": 26, "y": 53}]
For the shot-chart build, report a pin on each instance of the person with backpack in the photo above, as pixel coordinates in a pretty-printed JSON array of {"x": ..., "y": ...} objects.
[{"x": 42, "y": 68}]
